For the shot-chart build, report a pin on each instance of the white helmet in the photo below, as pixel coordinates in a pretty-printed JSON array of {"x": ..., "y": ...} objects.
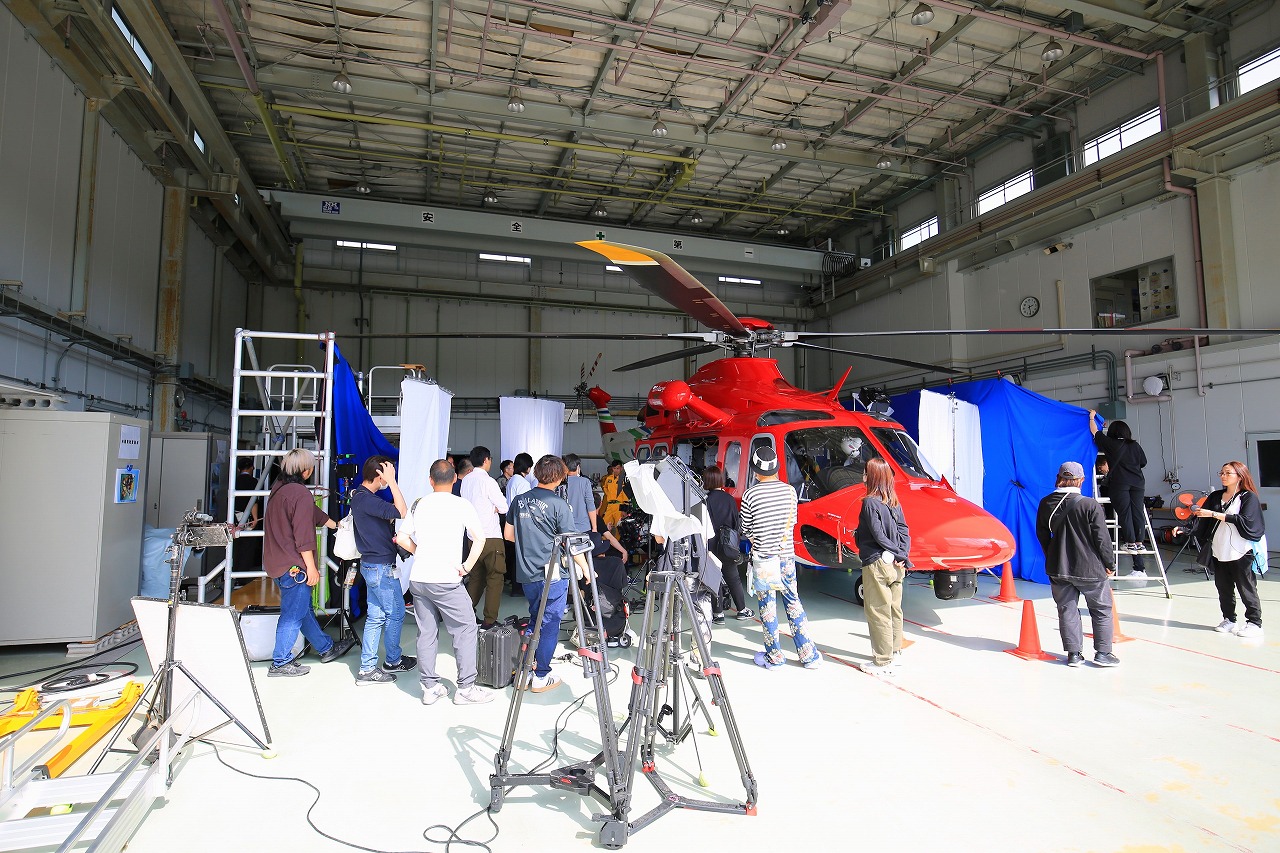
[{"x": 851, "y": 445}]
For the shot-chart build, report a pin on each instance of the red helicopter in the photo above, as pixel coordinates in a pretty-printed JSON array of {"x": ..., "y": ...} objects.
[{"x": 736, "y": 404}]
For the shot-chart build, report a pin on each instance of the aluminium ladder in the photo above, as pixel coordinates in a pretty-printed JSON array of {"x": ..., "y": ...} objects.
[
  {"x": 277, "y": 409},
  {"x": 1151, "y": 547}
]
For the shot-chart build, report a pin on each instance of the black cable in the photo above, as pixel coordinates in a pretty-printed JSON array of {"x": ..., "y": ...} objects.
[
  {"x": 62, "y": 666},
  {"x": 452, "y": 839}
]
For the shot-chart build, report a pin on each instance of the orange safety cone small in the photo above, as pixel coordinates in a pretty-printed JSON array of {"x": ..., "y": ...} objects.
[
  {"x": 1029, "y": 639},
  {"x": 1007, "y": 590},
  {"x": 1117, "y": 636}
]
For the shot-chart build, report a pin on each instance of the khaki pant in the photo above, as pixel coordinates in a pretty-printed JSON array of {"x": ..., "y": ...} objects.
[
  {"x": 487, "y": 577},
  {"x": 882, "y": 602}
]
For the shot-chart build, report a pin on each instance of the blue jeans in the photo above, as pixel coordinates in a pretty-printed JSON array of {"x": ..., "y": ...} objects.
[
  {"x": 386, "y": 615},
  {"x": 550, "y": 620},
  {"x": 768, "y": 600},
  {"x": 295, "y": 614}
]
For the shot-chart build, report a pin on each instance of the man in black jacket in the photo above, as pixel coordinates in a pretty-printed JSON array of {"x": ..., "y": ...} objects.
[{"x": 1079, "y": 559}]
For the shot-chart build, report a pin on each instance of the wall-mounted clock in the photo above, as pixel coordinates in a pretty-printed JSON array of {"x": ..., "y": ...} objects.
[{"x": 1030, "y": 307}]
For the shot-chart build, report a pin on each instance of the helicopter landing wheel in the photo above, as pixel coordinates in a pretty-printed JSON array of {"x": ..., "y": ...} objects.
[{"x": 857, "y": 590}]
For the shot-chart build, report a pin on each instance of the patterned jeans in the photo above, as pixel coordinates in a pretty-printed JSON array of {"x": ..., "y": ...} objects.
[{"x": 805, "y": 648}]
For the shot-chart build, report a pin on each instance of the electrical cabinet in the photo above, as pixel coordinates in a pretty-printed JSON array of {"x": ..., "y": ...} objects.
[
  {"x": 72, "y": 488},
  {"x": 183, "y": 469}
]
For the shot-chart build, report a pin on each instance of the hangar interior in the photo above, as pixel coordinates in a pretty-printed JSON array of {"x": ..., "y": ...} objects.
[{"x": 173, "y": 171}]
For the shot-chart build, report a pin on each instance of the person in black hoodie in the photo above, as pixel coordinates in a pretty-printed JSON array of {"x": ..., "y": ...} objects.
[
  {"x": 883, "y": 544},
  {"x": 1079, "y": 558},
  {"x": 1126, "y": 484},
  {"x": 1231, "y": 518}
]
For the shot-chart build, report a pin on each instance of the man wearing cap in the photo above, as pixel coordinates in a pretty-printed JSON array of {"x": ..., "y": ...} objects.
[
  {"x": 1078, "y": 557},
  {"x": 768, "y": 521}
]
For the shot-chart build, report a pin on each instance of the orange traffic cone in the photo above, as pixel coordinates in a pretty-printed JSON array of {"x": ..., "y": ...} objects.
[
  {"x": 1029, "y": 640},
  {"x": 1007, "y": 590}
]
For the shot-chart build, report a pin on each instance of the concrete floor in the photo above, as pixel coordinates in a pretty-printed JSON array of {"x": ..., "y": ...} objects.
[{"x": 967, "y": 749}]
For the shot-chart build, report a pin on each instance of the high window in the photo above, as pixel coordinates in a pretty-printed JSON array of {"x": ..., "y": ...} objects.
[
  {"x": 505, "y": 259},
  {"x": 351, "y": 244},
  {"x": 1133, "y": 130},
  {"x": 132, "y": 39},
  {"x": 733, "y": 279},
  {"x": 920, "y": 233},
  {"x": 1259, "y": 72},
  {"x": 1006, "y": 192}
]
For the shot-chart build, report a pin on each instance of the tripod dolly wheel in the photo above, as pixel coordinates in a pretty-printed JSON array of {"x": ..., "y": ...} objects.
[
  {"x": 496, "y": 797},
  {"x": 625, "y": 640},
  {"x": 613, "y": 834}
]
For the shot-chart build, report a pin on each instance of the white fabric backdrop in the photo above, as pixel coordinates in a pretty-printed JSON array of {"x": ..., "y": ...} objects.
[
  {"x": 532, "y": 426},
  {"x": 951, "y": 439},
  {"x": 424, "y": 438}
]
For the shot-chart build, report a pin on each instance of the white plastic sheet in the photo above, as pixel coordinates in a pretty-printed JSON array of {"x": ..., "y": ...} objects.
[
  {"x": 424, "y": 438},
  {"x": 951, "y": 439},
  {"x": 532, "y": 426}
]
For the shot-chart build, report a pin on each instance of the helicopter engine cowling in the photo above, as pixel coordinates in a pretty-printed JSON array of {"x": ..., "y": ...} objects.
[{"x": 676, "y": 395}]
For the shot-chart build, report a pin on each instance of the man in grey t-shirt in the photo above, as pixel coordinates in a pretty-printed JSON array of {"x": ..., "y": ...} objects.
[{"x": 581, "y": 499}]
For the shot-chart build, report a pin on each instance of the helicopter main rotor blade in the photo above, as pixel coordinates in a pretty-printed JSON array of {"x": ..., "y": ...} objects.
[
  {"x": 666, "y": 279},
  {"x": 687, "y": 352},
  {"x": 537, "y": 336},
  {"x": 1143, "y": 331},
  {"x": 905, "y": 362}
]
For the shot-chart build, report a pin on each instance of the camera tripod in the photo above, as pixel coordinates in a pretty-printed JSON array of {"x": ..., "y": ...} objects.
[{"x": 658, "y": 666}]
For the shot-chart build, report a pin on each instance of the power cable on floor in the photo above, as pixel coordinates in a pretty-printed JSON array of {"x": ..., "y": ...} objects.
[
  {"x": 448, "y": 842},
  {"x": 59, "y": 668}
]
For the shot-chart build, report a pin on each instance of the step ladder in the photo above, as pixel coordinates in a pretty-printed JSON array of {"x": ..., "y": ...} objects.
[
  {"x": 274, "y": 410},
  {"x": 37, "y": 812},
  {"x": 1150, "y": 547}
]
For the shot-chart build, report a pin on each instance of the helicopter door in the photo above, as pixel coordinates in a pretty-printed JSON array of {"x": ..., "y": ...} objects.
[
  {"x": 762, "y": 440},
  {"x": 733, "y": 467}
]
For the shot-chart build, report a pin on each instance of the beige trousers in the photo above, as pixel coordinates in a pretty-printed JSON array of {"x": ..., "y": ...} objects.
[{"x": 882, "y": 602}]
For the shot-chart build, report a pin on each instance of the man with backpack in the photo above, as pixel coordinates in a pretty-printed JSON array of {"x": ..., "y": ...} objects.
[
  {"x": 373, "y": 521},
  {"x": 1079, "y": 558}
]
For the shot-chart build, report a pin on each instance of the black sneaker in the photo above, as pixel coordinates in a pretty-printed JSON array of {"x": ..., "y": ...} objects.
[
  {"x": 289, "y": 670},
  {"x": 405, "y": 664},
  {"x": 745, "y": 613},
  {"x": 1105, "y": 659},
  {"x": 717, "y": 619},
  {"x": 1074, "y": 658},
  {"x": 333, "y": 654},
  {"x": 374, "y": 676},
  {"x": 613, "y": 643}
]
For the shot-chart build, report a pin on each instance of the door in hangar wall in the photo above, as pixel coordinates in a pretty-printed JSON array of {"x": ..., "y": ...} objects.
[{"x": 1264, "y": 463}]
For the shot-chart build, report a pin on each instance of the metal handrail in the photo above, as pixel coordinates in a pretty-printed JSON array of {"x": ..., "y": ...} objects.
[{"x": 8, "y": 744}]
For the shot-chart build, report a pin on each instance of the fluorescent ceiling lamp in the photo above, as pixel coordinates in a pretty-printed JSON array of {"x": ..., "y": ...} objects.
[
  {"x": 612, "y": 268},
  {"x": 381, "y": 247},
  {"x": 733, "y": 279},
  {"x": 505, "y": 259}
]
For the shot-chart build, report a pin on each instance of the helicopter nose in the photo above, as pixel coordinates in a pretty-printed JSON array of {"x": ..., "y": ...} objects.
[{"x": 958, "y": 534}]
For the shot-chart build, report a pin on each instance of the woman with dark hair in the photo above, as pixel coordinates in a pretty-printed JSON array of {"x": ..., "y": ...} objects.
[
  {"x": 883, "y": 544},
  {"x": 1126, "y": 483},
  {"x": 723, "y": 510},
  {"x": 1231, "y": 520},
  {"x": 519, "y": 482}
]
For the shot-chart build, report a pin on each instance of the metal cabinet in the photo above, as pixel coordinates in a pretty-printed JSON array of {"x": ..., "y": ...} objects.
[{"x": 72, "y": 488}]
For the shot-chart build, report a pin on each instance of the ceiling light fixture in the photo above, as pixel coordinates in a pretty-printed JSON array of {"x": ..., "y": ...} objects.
[
  {"x": 490, "y": 197},
  {"x": 783, "y": 230},
  {"x": 696, "y": 219},
  {"x": 884, "y": 163},
  {"x": 922, "y": 15},
  {"x": 778, "y": 144},
  {"x": 1052, "y": 51},
  {"x": 599, "y": 211},
  {"x": 341, "y": 82},
  {"x": 515, "y": 104},
  {"x": 363, "y": 187},
  {"x": 659, "y": 129}
]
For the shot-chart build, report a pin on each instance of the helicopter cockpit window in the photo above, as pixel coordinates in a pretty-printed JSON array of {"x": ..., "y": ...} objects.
[
  {"x": 732, "y": 463},
  {"x": 907, "y": 453},
  {"x": 822, "y": 460},
  {"x": 660, "y": 451},
  {"x": 642, "y": 453},
  {"x": 756, "y": 443},
  {"x": 698, "y": 452},
  {"x": 790, "y": 416}
]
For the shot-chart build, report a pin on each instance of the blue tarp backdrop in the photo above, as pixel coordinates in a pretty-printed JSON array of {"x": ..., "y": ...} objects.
[
  {"x": 353, "y": 428},
  {"x": 1025, "y": 437}
]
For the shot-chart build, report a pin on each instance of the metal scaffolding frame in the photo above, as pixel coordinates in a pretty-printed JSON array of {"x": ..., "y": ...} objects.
[{"x": 295, "y": 409}]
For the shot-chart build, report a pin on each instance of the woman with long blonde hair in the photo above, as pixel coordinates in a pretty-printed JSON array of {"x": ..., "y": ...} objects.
[{"x": 883, "y": 545}]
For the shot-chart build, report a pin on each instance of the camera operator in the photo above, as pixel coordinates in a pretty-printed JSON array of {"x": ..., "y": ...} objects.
[
  {"x": 534, "y": 520},
  {"x": 289, "y": 557},
  {"x": 373, "y": 520}
]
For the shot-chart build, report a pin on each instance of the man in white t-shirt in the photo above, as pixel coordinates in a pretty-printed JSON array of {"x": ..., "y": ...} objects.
[{"x": 432, "y": 530}]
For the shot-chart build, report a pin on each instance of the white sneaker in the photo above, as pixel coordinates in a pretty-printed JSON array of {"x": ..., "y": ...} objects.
[
  {"x": 1226, "y": 626},
  {"x": 541, "y": 684},
  {"x": 872, "y": 668},
  {"x": 473, "y": 695},
  {"x": 1138, "y": 575},
  {"x": 431, "y": 695},
  {"x": 897, "y": 658},
  {"x": 1249, "y": 631}
]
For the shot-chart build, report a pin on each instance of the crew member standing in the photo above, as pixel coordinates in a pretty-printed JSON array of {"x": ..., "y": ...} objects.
[
  {"x": 1126, "y": 484},
  {"x": 768, "y": 521},
  {"x": 490, "y": 573},
  {"x": 435, "y": 524},
  {"x": 723, "y": 511},
  {"x": 883, "y": 545},
  {"x": 580, "y": 497},
  {"x": 373, "y": 521},
  {"x": 614, "y": 496},
  {"x": 534, "y": 520},
  {"x": 289, "y": 558},
  {"x": 1078, "y": 557}
]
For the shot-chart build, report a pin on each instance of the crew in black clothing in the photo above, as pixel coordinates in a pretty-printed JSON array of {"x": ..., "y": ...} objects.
[
  {"x": 1126, "y": 484},
  {"x": 248, "y": 549},
  {"x": 1103, "y": 467},
  {"x": 1231, "y": 519},
  {"x": 723, "y": 510}
]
